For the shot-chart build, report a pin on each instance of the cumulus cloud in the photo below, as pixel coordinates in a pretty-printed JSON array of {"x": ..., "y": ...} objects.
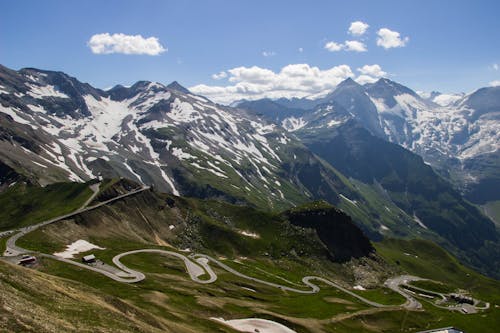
[
  {"x": 354, "y": 45},
  {"x": 358, "y": 28},
  {"x": 294, "y": 80},
  {"x": 362, "y": 79},
  {"x": 126, "y": 44},
  {"x": 219, "y": 76},
  {"x": 333, "y": 46},
  {"x": 268, "y": 53},
  {"x": 349, "y": 45},
  {"x": 495, "y": 83},
  {"x": 389, "y": 39},
  {"x": 372, "y": 70}
]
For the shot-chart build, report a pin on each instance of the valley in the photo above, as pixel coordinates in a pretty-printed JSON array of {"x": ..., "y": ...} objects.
[
  {"x": 232, "y": 284},
  {"x": 249, "y": 166}
]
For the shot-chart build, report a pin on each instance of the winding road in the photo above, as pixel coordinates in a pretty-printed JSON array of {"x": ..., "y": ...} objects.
[
  {"x": 12, "y": 250},
  {"x": 197, "y": 265}
]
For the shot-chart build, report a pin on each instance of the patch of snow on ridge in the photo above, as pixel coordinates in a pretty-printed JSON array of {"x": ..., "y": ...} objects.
[
  {"x": 36, "y": 108},
  {"x": 154, "y": 99},
  {"x": 379, "y": 104},
  {"x": 255, "y": 325},
  {"x": 129, "y": 168},
  {"x": 183, "y": 112},
  {"x": 354, "y": 202},
  {"x": 249, "y": 234},
  {"x": 13, "y": 114},
  {"x": 332, "y": 123},
  {"x": 217, "y": 173},
  {"x": 76, "y": 247},
  {"x": 293, "y": 124},
  {"x": 177, "y": 152},
  {"x": 108, "y": 116},
  {"x": 45, "y": 91},
  {"x": 419, "y": 222}
]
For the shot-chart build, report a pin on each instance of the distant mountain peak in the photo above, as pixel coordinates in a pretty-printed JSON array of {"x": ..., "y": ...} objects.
[
  {"x": 387, "y": 89},
  {"x": 178, "y": 87},
  {"x": 349, "y": 82}
]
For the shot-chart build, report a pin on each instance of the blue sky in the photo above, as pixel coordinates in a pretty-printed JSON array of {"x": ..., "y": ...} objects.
[{"x": 452, "y": 45}]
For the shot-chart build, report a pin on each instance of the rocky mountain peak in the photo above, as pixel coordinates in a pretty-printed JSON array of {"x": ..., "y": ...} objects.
[{"x": 178, "y": 87}]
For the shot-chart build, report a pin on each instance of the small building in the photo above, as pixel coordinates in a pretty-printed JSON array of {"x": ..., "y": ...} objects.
[
  {"x": 462, "y": 299},
  {"x": 27, "y": 260},
  {"x": 89, "y": 259}
]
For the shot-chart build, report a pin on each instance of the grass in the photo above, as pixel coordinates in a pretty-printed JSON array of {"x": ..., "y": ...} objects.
[
  {"x": 427, "y": 260},
  {"x": 433, "y": 286},
  {"x": 24, "y": 205},
  {"x": 3, "y": 243},
  {"x": 169, "y": 294},
  {"x": 382, "y": 295},
  {"x": 415, "y": 321}
]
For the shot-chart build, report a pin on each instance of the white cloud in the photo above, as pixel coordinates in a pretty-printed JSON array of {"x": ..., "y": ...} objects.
[
  {"x": 354, "y": 45},
  {"x": 333, "y": 46},
  {"x": 495, "y": 83},
  {"x": 495, "y": 67},
  {"x": 358, "y": 28},
  {"x": 268, "y": 53},
  {"x": 362, "y": 79},
  {"x": 126, "y": 44},
  {"x": 389, "y": 39},
  {"x": 446, "y": 99},
  {"x": 219, "y": 76},
  {"x": 370, "y": 74},
  {"x": 301, "y": 49},
  {"x": 294, "y": 80},
  {"x": 349, "y": 45},
  {"x": 372, "y": 70}
]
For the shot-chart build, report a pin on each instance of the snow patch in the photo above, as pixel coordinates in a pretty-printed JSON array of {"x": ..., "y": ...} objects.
[
  {"x": 177, "y": 152},
  {"x": 14, "y": 115},
  {"x": 45, "y": 91},
  {"x": 420, "y": 223},
  {"x": 354, "y": 202},
  {"x": 255, "y": 325},
  {"x": 76, "y": 247},
  {"x": 249, "y": 234},
  {"x": 293, "y": 124}
]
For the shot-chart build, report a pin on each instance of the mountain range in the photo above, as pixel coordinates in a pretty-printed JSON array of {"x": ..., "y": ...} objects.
[
  {"x": 365, "y": 149},
  {"x": 457, "y": 134}
]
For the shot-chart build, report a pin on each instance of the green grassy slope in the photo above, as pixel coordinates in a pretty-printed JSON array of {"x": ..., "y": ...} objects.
[
  {"x": 428, "y": 260},
  {"x": 24, "y": 205},
  {"x": 281, "y": 252}
]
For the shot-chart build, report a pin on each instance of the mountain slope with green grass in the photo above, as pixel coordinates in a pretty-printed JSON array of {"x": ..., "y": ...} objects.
[
  {"x": 24, "y": 204},
  {"x": 414, "y": 189},
  {"x": 280, "y": 248}
]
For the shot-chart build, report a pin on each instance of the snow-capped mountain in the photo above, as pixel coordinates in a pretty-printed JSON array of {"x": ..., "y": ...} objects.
[
  {"x": 448, "y": 135},
  {"x": 458, "y": 134},
  {"x": 56, "y": 128}
]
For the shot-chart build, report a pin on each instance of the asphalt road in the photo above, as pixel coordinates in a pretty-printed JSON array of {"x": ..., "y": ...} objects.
[
  {"x": 12, "y": 250},
  {"x": 395, "y": 283},
  {"x": 195, "y": 270},
  {"x": 196, "y": 264}
]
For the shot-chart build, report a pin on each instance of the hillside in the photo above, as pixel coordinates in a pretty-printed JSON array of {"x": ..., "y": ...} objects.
[
  {"x": 414, "y": 187},
  {"x": 278, "y": 248}
]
